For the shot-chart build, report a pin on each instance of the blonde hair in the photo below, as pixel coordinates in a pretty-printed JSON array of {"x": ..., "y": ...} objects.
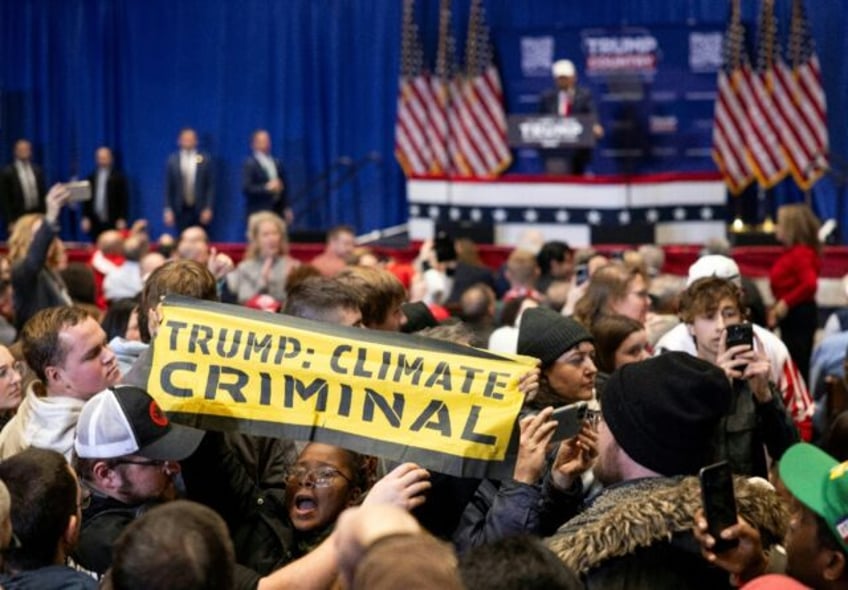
[
  {"x": 21, "y": 239},
  {"x": 799, "y": 225},
  {"x": 22, "y": 235},
  {"x": 253, "y": 223}
]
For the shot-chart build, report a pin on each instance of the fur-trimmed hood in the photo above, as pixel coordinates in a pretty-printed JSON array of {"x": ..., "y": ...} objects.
[{"x": 643, "y": 512}]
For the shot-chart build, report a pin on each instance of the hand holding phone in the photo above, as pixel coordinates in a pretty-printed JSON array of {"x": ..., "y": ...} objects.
[
  {"x": 80, "y": 191},
  {"x": 569, "y": 420},
  {"x": 719, "y": 503},
  {"x": 739, "y": 334}
]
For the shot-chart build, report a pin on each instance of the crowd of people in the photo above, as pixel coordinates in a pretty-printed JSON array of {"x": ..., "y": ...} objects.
[{"x": 101, "y": 489}]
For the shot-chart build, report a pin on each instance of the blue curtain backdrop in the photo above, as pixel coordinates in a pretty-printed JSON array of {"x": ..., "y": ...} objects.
[{"x": 320, "y": 75}]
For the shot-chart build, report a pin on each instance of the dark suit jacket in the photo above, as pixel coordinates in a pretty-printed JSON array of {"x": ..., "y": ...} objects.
[
  {"x": 204, "y": 183},
  {"x": 12, "y": 192},
  {"x": 253, "y": 181},
  {"x": 117, "y": 198},
  {"x": 581, "y": 104}
]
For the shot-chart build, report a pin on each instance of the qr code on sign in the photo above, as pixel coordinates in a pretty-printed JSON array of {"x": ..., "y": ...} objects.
[
  {"x": 705, "y": 51},
  {"x": 536, "y": 55}
]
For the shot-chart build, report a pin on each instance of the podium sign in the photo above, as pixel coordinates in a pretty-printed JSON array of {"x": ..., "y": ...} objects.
[{"x": 550, "y": 131}]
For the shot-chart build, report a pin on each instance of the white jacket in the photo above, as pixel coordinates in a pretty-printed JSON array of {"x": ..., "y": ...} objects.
[{"x": 44, "y": 422}]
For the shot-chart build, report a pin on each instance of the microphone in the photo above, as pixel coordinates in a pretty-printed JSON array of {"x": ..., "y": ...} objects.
[
  {"x": 374, "y": 156},
  {"x": 345, "y": 161}
]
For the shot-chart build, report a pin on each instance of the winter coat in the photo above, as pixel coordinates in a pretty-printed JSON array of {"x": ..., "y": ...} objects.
[{"x": 637, "y": 535}]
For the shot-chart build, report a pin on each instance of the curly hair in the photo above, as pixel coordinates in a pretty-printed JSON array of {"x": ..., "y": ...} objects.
[{"x": 705, "y": 295}]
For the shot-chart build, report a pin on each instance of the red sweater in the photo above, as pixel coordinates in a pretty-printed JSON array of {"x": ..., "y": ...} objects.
[{"x": 794, "y": 275}]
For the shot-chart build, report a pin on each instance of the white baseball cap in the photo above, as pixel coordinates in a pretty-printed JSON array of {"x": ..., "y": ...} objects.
[
  {"x": 125, "y": 420},
  {"x": 714, "y": 265},
  {"x": 563, "y": 67}
]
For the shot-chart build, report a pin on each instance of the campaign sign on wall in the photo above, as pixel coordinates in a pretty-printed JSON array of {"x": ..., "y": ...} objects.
[{"x": 654, "y": 89}]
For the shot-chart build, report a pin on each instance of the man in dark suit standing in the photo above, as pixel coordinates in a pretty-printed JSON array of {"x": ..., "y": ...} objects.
[
  {"x": 568, "y": 100},
  {"x": 22, "y": 188},
  {"x": 263, "y": 181},
  {"x": 189, "y": 184},
  {"x": 107, "y": 208}
]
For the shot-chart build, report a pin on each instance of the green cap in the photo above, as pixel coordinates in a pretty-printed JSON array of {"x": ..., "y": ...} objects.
[{"x": 820, "y": 483}]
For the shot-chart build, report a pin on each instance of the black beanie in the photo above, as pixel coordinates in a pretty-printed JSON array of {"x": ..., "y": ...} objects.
[
  {"x": 546, "y": 334},
  {"x": 663, "y": 411},
  {"x": 418, "y": 317}
]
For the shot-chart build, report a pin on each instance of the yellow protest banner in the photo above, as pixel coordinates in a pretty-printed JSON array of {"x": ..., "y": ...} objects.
[{"x": 448, "y": 407}]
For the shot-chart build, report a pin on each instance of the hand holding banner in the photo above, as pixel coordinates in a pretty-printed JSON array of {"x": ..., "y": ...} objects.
[{"x": 448, "y": 407}]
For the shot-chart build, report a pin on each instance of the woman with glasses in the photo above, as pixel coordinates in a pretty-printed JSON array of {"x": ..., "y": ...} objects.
[
  {"x": 615, "y": 288},
  {"x": 323, "y": 482}
]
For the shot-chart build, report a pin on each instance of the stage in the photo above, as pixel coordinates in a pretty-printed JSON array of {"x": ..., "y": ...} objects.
[{"x": 678, "y": 208}]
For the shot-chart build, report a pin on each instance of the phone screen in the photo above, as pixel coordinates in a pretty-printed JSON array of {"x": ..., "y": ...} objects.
[
  {"x": 719, "y": 502},
  {"x": 80, "y": 191},
  {"x": 739, "y": 334},
  {"x": 581, "y": 274},
  {"x": 569, "y": 420}
]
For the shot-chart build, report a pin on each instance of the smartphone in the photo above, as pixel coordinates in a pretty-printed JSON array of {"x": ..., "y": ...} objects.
[
  {"x": 581, "y": 273},
  {"x": 719, "y": 502},
  {"x": 80, "y": 191},
  {"x": 740, "y": 334},
  {"x": 569, "y": 420}
]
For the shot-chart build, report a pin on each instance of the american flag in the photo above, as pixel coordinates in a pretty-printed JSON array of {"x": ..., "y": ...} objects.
[
  {"x": 415, "y": 99},
  {"x": 805, "y": 89},
  {"x": 765, "y": 146},
  {"x": 731, "y": 127},
  {"x": 446, "y": 134},
  {"x": 481, "y": 108},
  {"x": 795, "y": 139}
]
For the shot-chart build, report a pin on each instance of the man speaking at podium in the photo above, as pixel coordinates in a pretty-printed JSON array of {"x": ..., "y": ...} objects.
[{"x": 568, "y": 100}]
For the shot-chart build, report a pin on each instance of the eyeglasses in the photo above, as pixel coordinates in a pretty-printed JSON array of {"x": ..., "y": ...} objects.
[{"x": 321, "y": 477}]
